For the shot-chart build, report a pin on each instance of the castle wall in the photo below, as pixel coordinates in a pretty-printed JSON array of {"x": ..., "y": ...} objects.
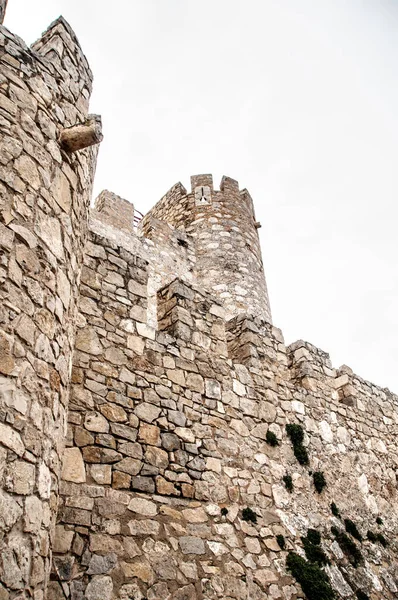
[
  {"x": 44, "y": 199},
  {"x": 168, "y": 251},
  {"x": 168, "y": 427},
  {"x": 224, "y": 233}
]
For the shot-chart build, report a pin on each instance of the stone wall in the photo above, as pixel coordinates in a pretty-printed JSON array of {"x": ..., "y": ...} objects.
[
  {"x": 168, "y": 251},
  {"x": 167, "y": 447},
  {"x": 44, "y": 200}
]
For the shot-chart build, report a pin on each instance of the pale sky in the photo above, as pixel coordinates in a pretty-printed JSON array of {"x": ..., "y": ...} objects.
[{"x": 297, "y": 100}]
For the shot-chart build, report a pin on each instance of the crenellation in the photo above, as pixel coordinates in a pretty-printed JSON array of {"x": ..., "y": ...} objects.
[
  {"x": 144, "y": 391},
  {"x": 114, "y": 210}
]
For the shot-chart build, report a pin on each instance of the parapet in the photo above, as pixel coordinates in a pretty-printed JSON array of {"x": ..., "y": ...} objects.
[
  {"x": 172, "y": 208},
  {"x": 113, "y": 210},
  {"x": 59, "y": 45}
]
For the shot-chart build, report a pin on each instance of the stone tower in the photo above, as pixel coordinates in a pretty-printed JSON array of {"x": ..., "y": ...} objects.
[
  {"x": 223, "y": 229},
  {"x": 44, "y": 200}
]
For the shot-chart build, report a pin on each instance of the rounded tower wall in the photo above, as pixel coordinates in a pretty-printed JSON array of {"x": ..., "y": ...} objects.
[{"x": 224, "y": 231}]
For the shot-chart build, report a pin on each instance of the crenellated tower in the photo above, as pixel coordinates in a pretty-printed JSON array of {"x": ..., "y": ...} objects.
[{"x": 224, "y": 232}]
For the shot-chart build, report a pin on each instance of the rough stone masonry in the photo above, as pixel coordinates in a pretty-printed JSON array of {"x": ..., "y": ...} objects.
[{"x": 145, "y": 393}]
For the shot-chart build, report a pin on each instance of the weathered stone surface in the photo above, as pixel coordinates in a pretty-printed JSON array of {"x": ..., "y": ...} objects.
[
  {"x": 96, "y": 422},
  {"x": 7, "y": 362},
  {"x": 73, "y": 466},
  {"x": 143, "y": 507},
  {"x": 87, "y": 340},
  {"x": 11, "y": 439},
  {"x": 157, "y": 457},
  {"x": 101, "y": 564},
  {"x": 191, "y": 545},
  {"x": 147, "y": 412},
  {"x": 63, "y": 539},
  {"x": 144, "y": 527},
  {"x": 149, "y": 434},
  {"x": 99, "y": 588}
]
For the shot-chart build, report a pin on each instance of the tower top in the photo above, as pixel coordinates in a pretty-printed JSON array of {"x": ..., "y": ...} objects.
[{"x": 223, "y": 228}]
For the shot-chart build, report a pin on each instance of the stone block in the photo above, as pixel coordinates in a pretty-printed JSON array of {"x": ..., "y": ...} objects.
[
  {"x": 149, "y": 434},
  {"x": 62, "y": 540},
  {"x": 191, "y": 545},
  {"x": 73, "y": 466}
]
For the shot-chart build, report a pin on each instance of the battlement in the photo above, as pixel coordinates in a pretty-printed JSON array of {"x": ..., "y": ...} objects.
[
  {"x": 59, "y": 44},
  {"x": 114, "y": 210}
]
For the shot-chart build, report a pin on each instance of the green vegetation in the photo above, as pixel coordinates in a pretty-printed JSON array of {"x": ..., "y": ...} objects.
[
  {"x": 312, "y": 548},
  {"x": 372, "y": 537},
  {"x": 319, "y": 481},
  {"x": 314, "y": 537},
  {"x": 382, "y": 540},
  {"x": 281, "y": 541},
  {"x": 313, "y": 580},
  {"x": 287, "y": 480},
  {"x": 296, "y": 435},
  {"x": 249, "y": 515},
  {"x": 351, "y": 528},
  {"x": 349, "y": 547},
  {"x": 271, "y": 438},
  {"x": 335, "y": 510}
]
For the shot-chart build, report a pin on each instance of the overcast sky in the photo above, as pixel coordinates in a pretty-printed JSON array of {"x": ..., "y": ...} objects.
[{"x": 297, "y": 100}]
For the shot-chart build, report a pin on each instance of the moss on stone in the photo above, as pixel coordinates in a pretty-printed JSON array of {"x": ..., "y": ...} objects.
[
  {"x": 382, "y": 540},
  {"x": 312, "y": 548},
  {"x": 271, "y": 438},
  {"x": 249, "y": 515},
  {"x": 281, "y": 541},
  {"x": 349, "y": 547},
  {"x": 361, "y": 595},
  {"x": 319, "y": 481},
  {"x": 288, "y": 481},
  {"x": 296, "y": 435},
  {"x": 352, "y": 529},
  {"x": 313, "y": 580},
  {"x": 314, "y": 537},
  {"x": 372, "y": 537}
]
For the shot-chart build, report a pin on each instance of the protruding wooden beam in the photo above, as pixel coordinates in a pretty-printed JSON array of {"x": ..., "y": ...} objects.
[{"x": 82, "y": 135}]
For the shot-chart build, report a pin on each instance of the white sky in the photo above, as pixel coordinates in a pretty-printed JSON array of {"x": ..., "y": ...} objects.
[{"x": 297, "y": 100}]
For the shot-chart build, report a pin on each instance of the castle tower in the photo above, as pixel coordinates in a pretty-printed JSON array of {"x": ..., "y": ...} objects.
[
  {"x": 223, "y": 229},
  {"x": 45, "y": 190}
]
